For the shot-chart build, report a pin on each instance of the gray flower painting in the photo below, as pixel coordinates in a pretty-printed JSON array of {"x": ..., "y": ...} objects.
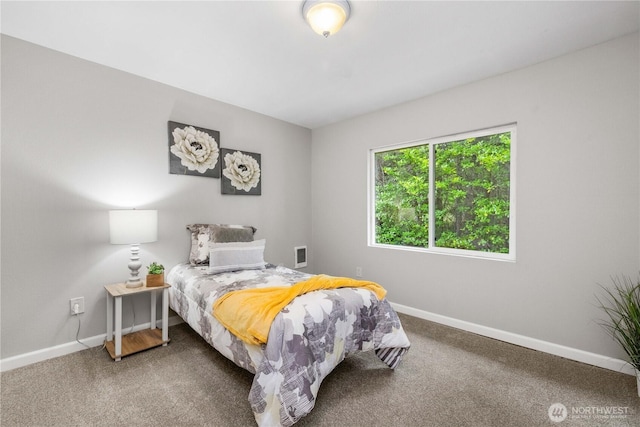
[
  {"x": 241, "y": 172},
  {"x": 194, "y": 150}
]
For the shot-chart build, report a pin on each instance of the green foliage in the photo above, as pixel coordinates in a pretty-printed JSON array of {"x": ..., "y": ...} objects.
[
  {"x": 402, "y": 196},
  {"x": 472, "y": 190},
  {"x": 622, "y": 306},
  {"x": 155, "y": 268}
]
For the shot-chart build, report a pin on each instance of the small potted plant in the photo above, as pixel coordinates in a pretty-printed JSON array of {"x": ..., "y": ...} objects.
[
  {"x": 155, "y": 276},
  {"x": 622, "y": 306}
]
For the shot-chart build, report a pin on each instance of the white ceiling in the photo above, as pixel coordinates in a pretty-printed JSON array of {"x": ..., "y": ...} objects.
[{"x": 262, "y": 56}]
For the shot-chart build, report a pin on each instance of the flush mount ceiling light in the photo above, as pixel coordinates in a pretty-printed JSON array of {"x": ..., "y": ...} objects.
[{"x": 326, "y": 17}]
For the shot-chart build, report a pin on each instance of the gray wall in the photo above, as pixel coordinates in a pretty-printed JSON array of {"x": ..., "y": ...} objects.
[
  {"x": 79, "y": 139},
  {"x": 577, "y": 197}
]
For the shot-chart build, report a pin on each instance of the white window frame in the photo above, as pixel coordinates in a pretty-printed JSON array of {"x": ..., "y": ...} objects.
[{"x": 371, "y": 198}]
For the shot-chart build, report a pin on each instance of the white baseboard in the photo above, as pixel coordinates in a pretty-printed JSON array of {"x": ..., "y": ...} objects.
[
  {"x": 21, "y": 360},
  {"x": 594, "y": 359}
]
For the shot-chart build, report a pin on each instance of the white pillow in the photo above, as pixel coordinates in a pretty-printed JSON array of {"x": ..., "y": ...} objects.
[
  {"x": 234, "y": 256},
  {"x": 203, "y": 234}
]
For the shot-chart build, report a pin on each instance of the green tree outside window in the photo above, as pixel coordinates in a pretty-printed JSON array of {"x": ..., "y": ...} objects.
[{"x": 471, "y": 194}]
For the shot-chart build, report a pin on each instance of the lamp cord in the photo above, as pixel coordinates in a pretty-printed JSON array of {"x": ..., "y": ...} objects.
[
  {"x": 78, "y": 332},
  {"x": 133, "y": 310}
]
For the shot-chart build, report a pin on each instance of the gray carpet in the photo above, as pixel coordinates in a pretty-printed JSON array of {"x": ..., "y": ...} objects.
[{"x": 448, "y": 378}]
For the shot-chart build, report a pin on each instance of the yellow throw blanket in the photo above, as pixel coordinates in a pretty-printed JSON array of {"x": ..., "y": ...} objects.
[{"x": 248, "y": 313}]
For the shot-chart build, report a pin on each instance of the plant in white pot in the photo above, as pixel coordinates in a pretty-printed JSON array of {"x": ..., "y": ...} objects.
[{"x": 621, "y": 303}]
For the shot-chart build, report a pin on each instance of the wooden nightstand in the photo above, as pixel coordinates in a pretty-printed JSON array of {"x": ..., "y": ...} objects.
[{"x": 141, "y": 340}]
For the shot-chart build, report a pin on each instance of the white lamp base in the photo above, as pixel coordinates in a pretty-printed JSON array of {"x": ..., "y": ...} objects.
[
  {"x": 134, "y": 284},
  {"x": 134, "y": 266}
]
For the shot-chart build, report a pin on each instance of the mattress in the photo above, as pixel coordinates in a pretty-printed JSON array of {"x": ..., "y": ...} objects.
[{"x": 306, "y": 341}]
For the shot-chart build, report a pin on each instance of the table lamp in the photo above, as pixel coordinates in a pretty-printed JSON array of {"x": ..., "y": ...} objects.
[{"x": 132, "y": 227}]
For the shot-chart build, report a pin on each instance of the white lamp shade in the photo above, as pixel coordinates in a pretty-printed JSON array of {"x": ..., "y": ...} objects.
[
  {"x": 326, "y": 17},
  {"x": 133, "y": 226}
]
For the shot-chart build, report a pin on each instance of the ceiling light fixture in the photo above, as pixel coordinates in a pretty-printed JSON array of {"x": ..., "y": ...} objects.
[{"x": 326, "y": 17}]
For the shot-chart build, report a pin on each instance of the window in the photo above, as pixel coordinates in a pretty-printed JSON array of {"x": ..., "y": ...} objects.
[{"x": 462, "y": 205}]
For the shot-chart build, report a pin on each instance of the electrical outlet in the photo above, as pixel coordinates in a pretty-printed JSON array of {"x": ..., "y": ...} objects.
[
  {"x": 76, "y": 305},
  {"x": 358, "y": 271}
]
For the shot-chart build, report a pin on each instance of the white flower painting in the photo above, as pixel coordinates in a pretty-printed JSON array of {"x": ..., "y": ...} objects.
[
  {"x": 241, "y": 173},
  {"x": 193, "y": 150}
]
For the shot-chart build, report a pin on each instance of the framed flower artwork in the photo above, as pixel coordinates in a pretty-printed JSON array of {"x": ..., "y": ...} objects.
[
  {"x": 241, "y": 172},
  {"x": 194, "y": 150}
]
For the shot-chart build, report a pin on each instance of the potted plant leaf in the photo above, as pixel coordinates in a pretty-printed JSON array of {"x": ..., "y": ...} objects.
[
  {"x": 155, "y": 276},
  {"x": 621, "y": 303}
]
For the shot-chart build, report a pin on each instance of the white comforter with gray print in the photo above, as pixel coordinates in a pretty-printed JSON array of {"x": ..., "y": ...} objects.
[{"x": 309, "y": 338}]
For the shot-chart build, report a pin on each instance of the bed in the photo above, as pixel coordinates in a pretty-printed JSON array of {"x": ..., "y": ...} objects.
[{"x": 307, "y": 339}]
